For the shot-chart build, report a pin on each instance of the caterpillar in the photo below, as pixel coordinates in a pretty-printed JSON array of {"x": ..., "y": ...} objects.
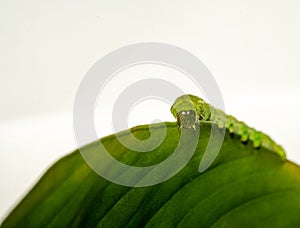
[{"x": 189, "y": 110}]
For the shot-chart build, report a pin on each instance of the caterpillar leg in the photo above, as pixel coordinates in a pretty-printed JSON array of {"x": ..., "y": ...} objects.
[
  {"x": 229, "y": 122},
  {"x": 255, "y": 137},
  {"x": 244, "y": 132},
  {"x": 241, "y": 129}
]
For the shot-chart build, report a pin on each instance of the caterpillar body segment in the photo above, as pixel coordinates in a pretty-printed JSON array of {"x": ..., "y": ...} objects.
[{"x": 189, "y": 110}]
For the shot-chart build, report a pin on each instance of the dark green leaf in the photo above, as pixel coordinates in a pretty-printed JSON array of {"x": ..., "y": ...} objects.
[{"x": 243, "y": 187}]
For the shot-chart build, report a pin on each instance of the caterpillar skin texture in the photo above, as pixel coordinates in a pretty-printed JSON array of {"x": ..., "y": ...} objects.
[{"x": 190, "y": 109}]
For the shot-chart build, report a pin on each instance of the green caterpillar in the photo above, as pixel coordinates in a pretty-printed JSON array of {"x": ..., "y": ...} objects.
[{"x": 190, "y": 109}]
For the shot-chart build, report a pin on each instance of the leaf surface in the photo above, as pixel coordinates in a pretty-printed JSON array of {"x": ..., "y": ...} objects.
[{"x": 243, "y": 187}]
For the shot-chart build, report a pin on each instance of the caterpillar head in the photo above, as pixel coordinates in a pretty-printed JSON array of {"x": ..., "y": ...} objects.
[{"x": 188, "y": 109}]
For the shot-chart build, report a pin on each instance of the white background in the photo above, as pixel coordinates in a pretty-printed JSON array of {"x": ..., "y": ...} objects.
[{"x": 251, "y": 48}]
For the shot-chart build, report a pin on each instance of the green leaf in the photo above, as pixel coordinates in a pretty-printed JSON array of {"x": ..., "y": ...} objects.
[{"x": 243, "y": 187}]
